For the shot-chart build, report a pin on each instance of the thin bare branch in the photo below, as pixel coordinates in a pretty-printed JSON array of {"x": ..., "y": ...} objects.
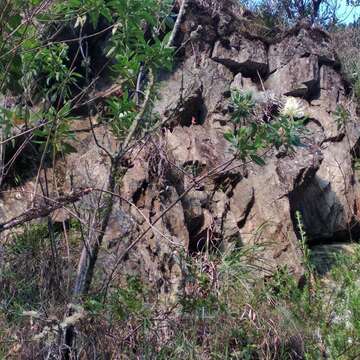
[{"x": 44, "y": 210}]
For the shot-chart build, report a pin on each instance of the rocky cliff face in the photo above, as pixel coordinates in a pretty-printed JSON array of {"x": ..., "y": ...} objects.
[{"x": 215, "y": 203}]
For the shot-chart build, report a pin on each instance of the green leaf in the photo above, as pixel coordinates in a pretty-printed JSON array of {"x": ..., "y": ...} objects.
[
  {"x": 257, "y": 160},
  {"x": 106, "y": 13},
  {"x": 229, "y": 136},
  {"x": 14, "y": 21}
]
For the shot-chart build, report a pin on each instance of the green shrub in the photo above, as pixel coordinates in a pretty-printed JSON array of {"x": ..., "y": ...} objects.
[{"x": 252, "y": 137}]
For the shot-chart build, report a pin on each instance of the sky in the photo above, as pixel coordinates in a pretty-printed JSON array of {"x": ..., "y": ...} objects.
[{"x": 347, "y": 13}]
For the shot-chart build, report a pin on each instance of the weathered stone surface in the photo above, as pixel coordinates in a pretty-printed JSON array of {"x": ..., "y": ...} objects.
[
  {"x": 298, "y": 77},
  {"x": 216, "y": 80},
  {"x": 193, "y": 92},
  {"x": 240, "y": 54},
  {"x": 332, "y": 91},
  {"x": 241, "y": 202},
  {"x": 303, "y": 43},
  {"x": 244, "y": 83},
  {"x": 198, "y": 144},
  {"x": 270, "y": 201}
]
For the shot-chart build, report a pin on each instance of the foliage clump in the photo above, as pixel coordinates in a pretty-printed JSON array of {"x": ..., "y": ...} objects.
[
  {"x": 252, "y": 136},
  {"x": 52, "y": 78}
]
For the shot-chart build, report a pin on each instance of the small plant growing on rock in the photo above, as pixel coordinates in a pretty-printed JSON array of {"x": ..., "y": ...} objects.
[
  {"x": 243, "y": 106},
  {"x": 342, "y": 116},
  {"x": 249, "y": 140}
]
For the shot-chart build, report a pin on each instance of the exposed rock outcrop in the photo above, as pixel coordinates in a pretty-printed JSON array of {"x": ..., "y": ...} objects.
[
  {"x": 236, "y": 203},
  {"x": 251, "y": 204}
]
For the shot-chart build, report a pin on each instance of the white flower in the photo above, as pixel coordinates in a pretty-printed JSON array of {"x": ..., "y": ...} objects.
[
  {"x": 124, "y": 114},
  {"x": 292, "y": 108}
]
